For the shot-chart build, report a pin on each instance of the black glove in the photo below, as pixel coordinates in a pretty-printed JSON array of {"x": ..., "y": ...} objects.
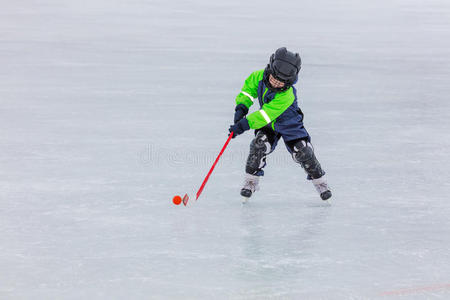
[
  {"x": 239, "y": 112},
  {"x": 239, "y": 127}
]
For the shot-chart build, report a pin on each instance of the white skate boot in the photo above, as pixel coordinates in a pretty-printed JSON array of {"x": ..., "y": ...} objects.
[
  {"x": 250, "y": 186},
  {"x": 322, "y": 188}
]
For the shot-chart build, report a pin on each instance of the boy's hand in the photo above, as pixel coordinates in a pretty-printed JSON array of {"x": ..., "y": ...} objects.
[
  {"x": 239, "y": 112},
  {"x": 239, "y": 127}
]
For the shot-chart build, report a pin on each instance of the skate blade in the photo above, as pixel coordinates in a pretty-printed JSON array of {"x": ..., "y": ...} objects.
[{"x": 244, "y": 200}]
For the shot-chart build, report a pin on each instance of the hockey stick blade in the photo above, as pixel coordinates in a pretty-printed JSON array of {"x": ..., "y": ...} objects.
[{"x": 185, "y": 199}]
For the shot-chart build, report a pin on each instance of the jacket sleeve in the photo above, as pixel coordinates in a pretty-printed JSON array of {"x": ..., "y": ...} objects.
[
  {"x": 272, "y": 110},
  {"x": 249, "y": 92}
]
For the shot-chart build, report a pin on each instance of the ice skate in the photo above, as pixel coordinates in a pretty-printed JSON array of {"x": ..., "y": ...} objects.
[
  {"x": 250, "y": 186},
  {"x": 322, "y": 188}
]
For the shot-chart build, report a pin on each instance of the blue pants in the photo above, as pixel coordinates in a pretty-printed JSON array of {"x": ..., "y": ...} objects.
[
  {"x": 290, "y": 137},
  {"x": 290, "y": 125}
]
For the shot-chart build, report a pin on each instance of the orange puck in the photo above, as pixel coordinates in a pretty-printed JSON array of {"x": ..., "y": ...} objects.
[{"x": 176, "y": 200}]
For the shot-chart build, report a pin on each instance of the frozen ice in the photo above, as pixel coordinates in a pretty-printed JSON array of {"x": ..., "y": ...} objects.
[{"x": 110, "y": 108}]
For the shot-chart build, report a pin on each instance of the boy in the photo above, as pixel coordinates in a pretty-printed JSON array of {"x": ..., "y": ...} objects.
[{"x": 279, "y": 116}]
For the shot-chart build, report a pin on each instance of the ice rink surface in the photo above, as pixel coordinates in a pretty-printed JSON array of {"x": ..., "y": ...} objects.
[{"x": 110, "y": 108}]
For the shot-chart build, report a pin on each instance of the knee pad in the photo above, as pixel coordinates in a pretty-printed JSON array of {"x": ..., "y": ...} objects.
[
  {"x": 260, "y": 143},
  {"x": 303, "y": 153},
  {"x": 259, "y": 148}
]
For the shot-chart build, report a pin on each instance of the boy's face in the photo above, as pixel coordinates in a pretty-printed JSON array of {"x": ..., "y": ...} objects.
[{"x": 275, "y": 83}]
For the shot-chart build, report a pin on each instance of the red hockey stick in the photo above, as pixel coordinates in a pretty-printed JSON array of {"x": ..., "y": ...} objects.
[
  {"x": 186, "y": 197},
  {"x": 213, "y": 166}
]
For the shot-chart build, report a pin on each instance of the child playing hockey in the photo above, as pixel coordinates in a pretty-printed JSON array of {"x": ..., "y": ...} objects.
[{"x": 279, "y": 116}]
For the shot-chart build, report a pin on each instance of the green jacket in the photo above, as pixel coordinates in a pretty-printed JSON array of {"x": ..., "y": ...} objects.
[{"x": 272, "y": 104}]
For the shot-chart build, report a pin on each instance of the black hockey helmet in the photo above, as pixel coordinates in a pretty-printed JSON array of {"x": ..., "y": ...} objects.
[{"x": 284, "y": 65}]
